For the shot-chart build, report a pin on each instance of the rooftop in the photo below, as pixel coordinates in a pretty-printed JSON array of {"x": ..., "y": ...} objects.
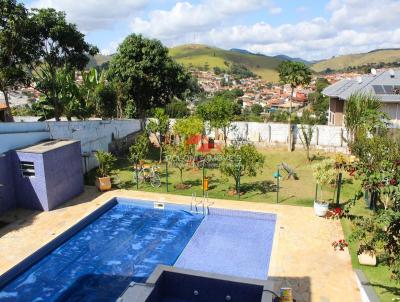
[
  {"x": 47, "y": 146},
  {"x": 383, "y": 84}
]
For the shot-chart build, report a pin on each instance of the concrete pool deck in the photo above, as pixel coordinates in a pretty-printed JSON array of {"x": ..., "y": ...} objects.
[{"x": 302, "y": 256}]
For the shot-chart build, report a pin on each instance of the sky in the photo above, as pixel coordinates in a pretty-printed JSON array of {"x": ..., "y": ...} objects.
[{"x": 310, "y": 29}]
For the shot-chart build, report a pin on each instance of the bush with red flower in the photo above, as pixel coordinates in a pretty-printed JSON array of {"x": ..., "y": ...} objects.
[{"x": 340, "y": 245}]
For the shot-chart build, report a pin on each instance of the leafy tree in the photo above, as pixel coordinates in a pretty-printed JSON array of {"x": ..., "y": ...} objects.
[
  {"x": 106, "y": 100},
  {"x": 257, "y": 109},
  {"x": 295, "y": 74},
  {"x": 87, "y": 92},
  {"x": 139, "y": 150},
  {"x": 59, "y": 45},
  {"x": 16, "y": 48},
  {"x": 306, "y": 131},
  {"x": 241, "y": 160},
  {"x": 150, "y": 76},
  {"x": 159, "y": 127},
  {"x": 178, "y": 156},
  {"x": 231, "y": 94},
  {"x": 177, "y": 109},
  {"x": 220, "y": 112},
  {"x": 324, "y": 174},
  {"x": 362, "y": 115},
  {"x": 240, "y": 71},
  {"x": 189, "y": 126}
]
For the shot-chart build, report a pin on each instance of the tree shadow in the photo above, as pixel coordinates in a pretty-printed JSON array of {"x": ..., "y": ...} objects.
[
  {"x": 388, "y": 289},
  {"x": 264, "y": 187}
]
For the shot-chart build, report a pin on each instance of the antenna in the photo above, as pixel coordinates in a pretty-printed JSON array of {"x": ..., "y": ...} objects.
[
  {"x": 359, "y": 80},
  {"x": 373, "y": 71},
  {"x": 391, "y": 72}
]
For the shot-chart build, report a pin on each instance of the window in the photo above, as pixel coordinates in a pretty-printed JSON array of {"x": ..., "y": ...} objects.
[{"x": 27, "y": 168}]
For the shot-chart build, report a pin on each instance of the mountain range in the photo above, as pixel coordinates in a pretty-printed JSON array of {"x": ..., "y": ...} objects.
[{"x": 208, "y": 57}]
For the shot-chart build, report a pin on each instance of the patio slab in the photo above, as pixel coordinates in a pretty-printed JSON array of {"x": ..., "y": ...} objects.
[{"x": 302, "y": 256}]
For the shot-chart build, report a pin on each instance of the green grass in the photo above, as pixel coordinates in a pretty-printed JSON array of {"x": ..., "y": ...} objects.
[
  {"x": 256, "y": 189},
  {"x": 342, "y": 62},
  {"x": 379, "y": 276},
  {"x": 199, "y": 55}
]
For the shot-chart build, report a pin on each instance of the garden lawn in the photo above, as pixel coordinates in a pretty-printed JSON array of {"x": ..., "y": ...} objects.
[{"x": 261, "y": 188}]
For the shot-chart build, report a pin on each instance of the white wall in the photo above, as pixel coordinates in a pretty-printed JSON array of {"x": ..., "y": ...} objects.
[
  {"x": 94, "y": 135},
  {"x": 276, "y": 133}
]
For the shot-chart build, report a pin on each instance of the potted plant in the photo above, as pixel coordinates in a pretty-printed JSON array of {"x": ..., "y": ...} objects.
[
  {"x": 324, "y": 174},
  {"x": 106, "y": 161}
]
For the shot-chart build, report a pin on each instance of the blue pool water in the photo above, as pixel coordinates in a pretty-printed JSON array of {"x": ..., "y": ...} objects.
[
  {"x": 234, "y": 243},
  {"x": 126, "y": 243}
]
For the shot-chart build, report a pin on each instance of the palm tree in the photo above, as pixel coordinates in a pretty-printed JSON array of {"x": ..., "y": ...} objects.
[
  {"x": 295, "y": 74},
  {"x": 362, "y": 115}
]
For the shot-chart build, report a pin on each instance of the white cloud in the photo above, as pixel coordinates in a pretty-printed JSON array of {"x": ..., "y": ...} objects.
[
  {"x": 352, "y": 26},
  {"x": 94, "y": 14},
  {"x": 275, "y": 10}
]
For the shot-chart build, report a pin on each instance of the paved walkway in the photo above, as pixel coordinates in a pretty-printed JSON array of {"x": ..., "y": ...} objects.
[{"x": 302, "y": 255}]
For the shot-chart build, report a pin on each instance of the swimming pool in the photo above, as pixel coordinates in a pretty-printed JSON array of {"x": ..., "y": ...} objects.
[{"x": 127, "y": 242}]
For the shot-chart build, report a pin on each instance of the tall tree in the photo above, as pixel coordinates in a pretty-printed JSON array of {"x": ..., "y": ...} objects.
[
  {"x": 59, "y": 44},
  {"x": 150, "y": 76},
  {"x": 16, "y": 48},
  {"x": 294, "y": 74},
  {"x": 362, "y": 115},
  {"x": 219, "y": 112},
  {"x": 159, "y": 127}
]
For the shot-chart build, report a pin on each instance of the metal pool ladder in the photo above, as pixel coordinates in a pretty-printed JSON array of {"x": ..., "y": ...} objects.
[{"x": 204, "y": 204}]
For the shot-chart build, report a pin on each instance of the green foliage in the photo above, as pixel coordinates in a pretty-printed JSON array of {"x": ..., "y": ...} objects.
[
  {"x": 75, "y": 100},
  {"x": 106, "y": 162},
  {"x": 59, "y": 46},
  {"x": 306, "y": 131},
  {"x": 177, "y": 156},
  {"x": 240, "y": 71},
  {"x": 232, "y": 94},
  {"x": 257, "y": 109},
  {"x": 130, "y": 109},
  {"x": 177, "y": 109},
  {"x": 240, "y": 160},
  {"x": 363, "y": 115},
  {"x": 16, "y": 47},
  {"x": 219, "y": 111},
  {"x": 324, "y": 174},
  {"x": 188, "y": 127},
  {"x": 151, "y": 78},
  {"x": 138, "y": 151},
  {"x": 294, "y": 73},
  {"x": 106, "y": 100},
  {"x": 159, "y": 127}
]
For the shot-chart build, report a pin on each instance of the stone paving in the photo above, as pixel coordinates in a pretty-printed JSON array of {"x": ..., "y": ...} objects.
[{"x": 302, "y": 255}]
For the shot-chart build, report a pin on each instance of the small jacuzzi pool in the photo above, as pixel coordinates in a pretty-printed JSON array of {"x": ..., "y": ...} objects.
[{"x": 169, "y": 284}]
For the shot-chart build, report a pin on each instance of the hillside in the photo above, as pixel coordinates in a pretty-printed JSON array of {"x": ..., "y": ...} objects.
[
  {"x": 355, "y": 60},
  {"x": 201, "y": 55},
  {"x": 98, "y": 60}
]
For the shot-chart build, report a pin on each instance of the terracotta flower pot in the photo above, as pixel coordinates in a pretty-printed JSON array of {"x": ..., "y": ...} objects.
[{"x": 103, "y": 183}]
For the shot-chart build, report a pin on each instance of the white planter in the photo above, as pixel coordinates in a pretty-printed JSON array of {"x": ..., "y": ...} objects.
[
  {"x": 367, "y": 258},
  {"x": 320, "y": 209}
]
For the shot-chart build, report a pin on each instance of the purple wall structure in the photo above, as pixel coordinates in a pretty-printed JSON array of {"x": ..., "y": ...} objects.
[
  {"x": 7, "y": 194},
  {"x": 58, "y": 178}
]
